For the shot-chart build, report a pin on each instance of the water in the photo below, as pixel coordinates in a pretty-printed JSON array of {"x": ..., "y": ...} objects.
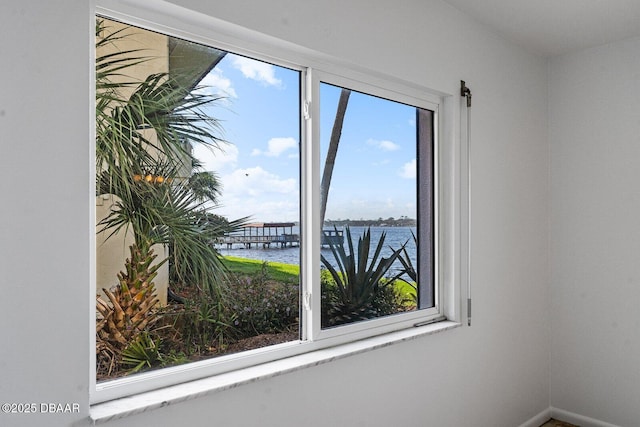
[{"x": 395, "y": 238}]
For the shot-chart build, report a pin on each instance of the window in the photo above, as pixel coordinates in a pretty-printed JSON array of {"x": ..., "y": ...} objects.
[
  {"x": 277, "y": 206},
  {"x": 377, "y": 242}
]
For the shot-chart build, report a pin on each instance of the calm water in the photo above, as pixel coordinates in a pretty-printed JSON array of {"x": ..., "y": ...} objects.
[{"x": 395, "y": 238}]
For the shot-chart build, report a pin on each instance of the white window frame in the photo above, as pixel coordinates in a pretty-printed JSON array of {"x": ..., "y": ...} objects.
[
  {"x": 315, "y": 67},
  {"x": 393, "y": 92}
]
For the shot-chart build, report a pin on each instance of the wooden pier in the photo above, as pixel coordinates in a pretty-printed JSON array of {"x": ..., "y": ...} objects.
[
  {"x": 333, "y": 237},
  {"x": 264, "y": 234},
  {"x": 279, "y": 234}
]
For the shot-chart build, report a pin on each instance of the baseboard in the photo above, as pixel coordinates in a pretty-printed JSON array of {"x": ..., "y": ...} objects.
[
  {"x": 539, "y": 419},
  {"x": 579, "y": 420}
]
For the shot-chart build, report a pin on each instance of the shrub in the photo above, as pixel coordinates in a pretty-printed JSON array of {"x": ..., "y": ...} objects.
[
  {"x": 261, "y": 305},
  {"x": 201, "y": 326}
]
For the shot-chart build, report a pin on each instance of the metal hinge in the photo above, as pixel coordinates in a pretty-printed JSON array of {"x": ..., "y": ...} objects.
[{"x": 465, "y": 92}]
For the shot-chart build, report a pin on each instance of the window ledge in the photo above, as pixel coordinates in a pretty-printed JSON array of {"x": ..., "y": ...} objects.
[{"x": 143, "y": 402}]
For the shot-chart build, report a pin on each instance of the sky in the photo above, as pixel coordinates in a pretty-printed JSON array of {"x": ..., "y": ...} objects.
[{"x": 374, "y": 174}]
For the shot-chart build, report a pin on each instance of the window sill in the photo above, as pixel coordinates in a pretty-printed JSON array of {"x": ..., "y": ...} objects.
[{"x": 143, "y": 402}]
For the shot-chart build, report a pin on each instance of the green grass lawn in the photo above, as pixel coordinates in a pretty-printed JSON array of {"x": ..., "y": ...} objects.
[
  {"x": 405, "y": 289},
  {"x": 287, "y": 273},
  {"x": 280, "y": 272}
]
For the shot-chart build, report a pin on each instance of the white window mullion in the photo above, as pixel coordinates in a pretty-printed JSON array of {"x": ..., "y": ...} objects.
[
  {"x": 311, "y": 170},
  {"x": 310, "y": 218}
]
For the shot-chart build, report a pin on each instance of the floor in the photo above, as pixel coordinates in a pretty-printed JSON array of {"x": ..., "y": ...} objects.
[{"x": 554, "y": 423}]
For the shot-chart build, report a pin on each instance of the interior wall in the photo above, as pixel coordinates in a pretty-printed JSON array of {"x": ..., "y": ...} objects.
[
  {"x": 45, "y": 230},
  {"x": 594, "y": 132},
  {"x": 492, "y": 374}
]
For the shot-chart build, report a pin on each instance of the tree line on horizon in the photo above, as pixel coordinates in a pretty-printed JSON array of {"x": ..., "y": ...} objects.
[{"x": 403, "y": 221}]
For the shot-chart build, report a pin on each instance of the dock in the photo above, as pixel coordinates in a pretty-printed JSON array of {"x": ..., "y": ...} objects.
[
  {"x": 333, "y": 237},
  {"x": 262, "y": 234},
  {"x": 277, "y": 234}
]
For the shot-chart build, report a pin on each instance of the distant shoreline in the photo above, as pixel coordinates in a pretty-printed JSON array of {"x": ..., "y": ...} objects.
[{"x": 389, "y": 222}]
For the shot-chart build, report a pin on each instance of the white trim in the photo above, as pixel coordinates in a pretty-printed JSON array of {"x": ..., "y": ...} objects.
[
  {"x": 91, "y": 305},
  {"x": 579, "y": 420},
  {"x": 309, "y": 217},
  {"x": 176, "y": 21},
  {"x": 451, "y": 212},
  {"x": 400, "y": 93},
  {"x": 538, "y": 420},
  {"x": 566, "y": 416},
  {"x": 150, "y": 400}
]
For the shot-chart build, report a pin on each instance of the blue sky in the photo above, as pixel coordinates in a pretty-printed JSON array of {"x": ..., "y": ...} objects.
[{"x": 374, "y": 174}]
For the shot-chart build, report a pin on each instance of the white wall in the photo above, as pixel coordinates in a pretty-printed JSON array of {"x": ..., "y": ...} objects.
[
  {"x": 44, "y": 206},
  {"x": 594, "y": 131},
  {"x": 493, "y": 374}
]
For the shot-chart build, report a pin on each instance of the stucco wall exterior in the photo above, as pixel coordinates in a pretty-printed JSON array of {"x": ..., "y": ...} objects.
[{"x": 112, "y": 250}]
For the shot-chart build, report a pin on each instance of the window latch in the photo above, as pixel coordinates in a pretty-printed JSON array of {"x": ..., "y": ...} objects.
[
  {"x": 305, "y": 110},
  {"x": 307, "y": 301}
]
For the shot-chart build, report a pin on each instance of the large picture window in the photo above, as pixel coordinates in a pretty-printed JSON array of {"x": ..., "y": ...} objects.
[
  {"x": 251, "y": 208},
  {"x": 197, "y": 160}
]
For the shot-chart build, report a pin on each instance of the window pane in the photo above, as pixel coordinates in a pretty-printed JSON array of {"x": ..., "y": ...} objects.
[
  {"x": 376, "y": 218},
  {"x": 197, "y": 159}
]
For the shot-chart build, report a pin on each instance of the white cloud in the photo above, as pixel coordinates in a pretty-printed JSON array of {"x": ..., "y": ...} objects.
[
  {"x": 260, "y": 194},
  {"x": 215, "y": 83},
  {"x": 384, "y": 145},
  {"x": 256, "y": 70},
  {"x": 224, "y": 159},
  {"x": 260, "y": 210},
  {"x": 381, "y": 163},
  {"x": 409, "y": 170},
  {"x": 276, "y": 146},
  {"x": 257, "y": 182}
]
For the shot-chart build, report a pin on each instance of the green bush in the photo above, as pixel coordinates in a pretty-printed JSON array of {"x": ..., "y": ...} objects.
[
  {"x": 142, "y": 352},
  {"x": 262, "y": 306},
  {"x": 200, "y": 326}
]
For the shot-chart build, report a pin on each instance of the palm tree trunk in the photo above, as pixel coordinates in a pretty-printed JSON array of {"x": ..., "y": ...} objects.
[{"x": 332, "y": 151}]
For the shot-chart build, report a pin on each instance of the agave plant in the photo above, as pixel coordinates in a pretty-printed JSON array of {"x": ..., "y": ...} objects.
[
  {"x": 359, "y": 279},
  {"x": 409, "y": 269}
]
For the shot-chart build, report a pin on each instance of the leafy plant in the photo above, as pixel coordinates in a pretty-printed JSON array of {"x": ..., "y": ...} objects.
[
  {"x": 410, "y": 271},
  {"x": 144, "y": 131},
  {"x": 204, "y": 325},
  {"x": 263, "y": 306},
  {"x": 128, "y": 109},
  {"x": 358, "y": 280},
  {"x": 142, "y": 352},
  {"x": 146, "y": 351}
]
